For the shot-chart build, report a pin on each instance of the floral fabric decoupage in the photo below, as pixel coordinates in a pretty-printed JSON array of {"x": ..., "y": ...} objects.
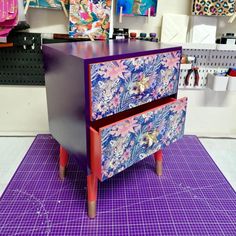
[
  {"x": 136, "y": 7},
  {"x": 90, "y": 17},
  {"x": 133, "y": 139},
  {"x": 119, "y": 85},
  {"x": 214, "y": 7},
  {"x": 52, "y": 4}
]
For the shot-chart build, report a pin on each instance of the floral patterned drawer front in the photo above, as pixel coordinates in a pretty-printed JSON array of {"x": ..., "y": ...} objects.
[
  {"x": 124, "y": 143},
  {"x": 119, "y": 85}
]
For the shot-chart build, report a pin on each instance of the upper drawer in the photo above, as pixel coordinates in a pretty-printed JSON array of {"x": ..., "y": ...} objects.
[
  {"x": 116, "y": 145},
  {"x": 122, "y": 84}
]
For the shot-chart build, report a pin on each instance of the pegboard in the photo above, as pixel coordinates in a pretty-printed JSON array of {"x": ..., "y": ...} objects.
[
  {"x": 208, "y": 61},
  {"x": 22, "y": 64},
  {"x": 203, "y": 71}
]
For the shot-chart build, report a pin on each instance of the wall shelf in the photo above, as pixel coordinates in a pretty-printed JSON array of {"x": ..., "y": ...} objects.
[{"x": 197, "y": 46}]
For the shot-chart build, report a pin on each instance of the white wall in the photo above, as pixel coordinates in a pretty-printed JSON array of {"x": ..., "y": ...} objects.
[{"x": 24, "y": 111}]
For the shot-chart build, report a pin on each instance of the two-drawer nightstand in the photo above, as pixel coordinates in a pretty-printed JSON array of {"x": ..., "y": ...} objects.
[{"x": 113, "y": 103}]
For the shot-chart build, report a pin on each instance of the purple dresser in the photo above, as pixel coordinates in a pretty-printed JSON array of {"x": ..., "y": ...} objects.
[{"x": 112, "y": 103}]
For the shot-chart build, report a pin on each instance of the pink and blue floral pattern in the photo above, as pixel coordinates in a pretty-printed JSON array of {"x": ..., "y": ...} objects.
[
  {"x": 133, "y": 139},
  {"x": 119, "y": 85}
]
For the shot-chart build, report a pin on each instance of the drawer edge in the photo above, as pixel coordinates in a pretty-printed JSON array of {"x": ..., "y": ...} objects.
[{"x": 95, "y": 153}]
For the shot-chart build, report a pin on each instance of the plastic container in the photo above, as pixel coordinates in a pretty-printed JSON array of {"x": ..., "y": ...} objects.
[
  {"x": 217, "y": 82},
  {"x": 231, "y": 84}
]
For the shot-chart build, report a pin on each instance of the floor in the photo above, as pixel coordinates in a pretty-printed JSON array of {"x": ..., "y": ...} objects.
[
  {"x": 223, "y": 152},
  {"x": 13, "y": 149},
  {"x": 191, "y": 198}
]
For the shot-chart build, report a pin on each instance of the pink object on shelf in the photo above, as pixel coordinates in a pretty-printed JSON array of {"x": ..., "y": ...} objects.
[
  {"x": 8, "y": 17},
  {"x": 5, "y": 31},
  {"x": 12, "y": 9},
  {"x": 9, "y": 23},
  {"x": 8, "y": 10},
  {"x": 3, "y": 11}
]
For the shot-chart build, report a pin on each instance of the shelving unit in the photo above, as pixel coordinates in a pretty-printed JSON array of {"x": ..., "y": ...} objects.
[
  {"x": 197, "y": 46},
  {"x": 208, "y": 61}
]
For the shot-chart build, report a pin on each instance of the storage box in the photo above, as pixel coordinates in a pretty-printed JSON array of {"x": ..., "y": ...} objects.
[{"x": 217, "y": 82}]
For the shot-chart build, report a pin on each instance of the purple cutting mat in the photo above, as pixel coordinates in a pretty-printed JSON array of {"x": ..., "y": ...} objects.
[{"x": 191, "y": 198}]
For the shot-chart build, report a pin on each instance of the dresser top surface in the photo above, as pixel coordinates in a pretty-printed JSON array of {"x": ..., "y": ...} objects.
[{"x": 100, "y": 49}]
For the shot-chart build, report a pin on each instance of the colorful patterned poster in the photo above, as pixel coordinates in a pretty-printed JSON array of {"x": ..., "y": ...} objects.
[
  {"x": 90, "y": 17},
  {"x": 52, "y": 4},
  {"x": 214, "y": 7},
  {"x": 136, "y": 7}
]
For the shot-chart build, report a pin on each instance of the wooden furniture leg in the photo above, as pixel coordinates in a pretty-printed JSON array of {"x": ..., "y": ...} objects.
[
  {"x": 63, "y": 161},
  {"x": 92, "y": 183},
  {"x": 158, "y": 159}
]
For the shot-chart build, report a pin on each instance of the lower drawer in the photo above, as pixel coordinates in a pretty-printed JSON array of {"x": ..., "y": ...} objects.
[{"x": 116, "y": 146}]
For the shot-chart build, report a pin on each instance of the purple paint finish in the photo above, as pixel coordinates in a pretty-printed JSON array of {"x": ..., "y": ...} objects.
[
  {"x": 134, "y": 202},
  {"x": 111, "y": 49}
]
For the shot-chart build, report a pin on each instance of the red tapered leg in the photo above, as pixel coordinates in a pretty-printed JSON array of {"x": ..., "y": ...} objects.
[
  {"x": 63, "y": 161},
  {"x": 92, "y": 185},
  {"x": 158, "y": 158}
]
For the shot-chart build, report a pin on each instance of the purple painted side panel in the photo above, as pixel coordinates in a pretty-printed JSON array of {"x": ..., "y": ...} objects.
[{"x": 66, "y": 100}]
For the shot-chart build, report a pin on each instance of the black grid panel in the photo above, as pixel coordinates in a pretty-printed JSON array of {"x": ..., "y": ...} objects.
[{"x": 22, "y": 64}]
